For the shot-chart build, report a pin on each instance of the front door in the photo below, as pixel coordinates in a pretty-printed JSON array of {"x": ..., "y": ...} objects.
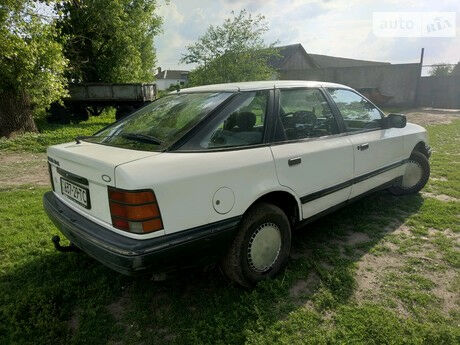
[
  {"x": 312, "y": 158},
  {"x": 377, "y": 151}
]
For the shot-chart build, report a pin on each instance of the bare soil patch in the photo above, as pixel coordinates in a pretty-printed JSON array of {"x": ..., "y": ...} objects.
[
  {"x": 305, "y": 286},
  {"x": 431, "y": 116},
  {"x": 369, "y": 273},
  {"x": 356, "y": 238},
  {"x": 74, "y": 322},
  {"x": 23, "y": 168},
  {"x": 372, "y": 268},
  {"x": 118, "y": 308},
  {"x": 440, "y": 197}
]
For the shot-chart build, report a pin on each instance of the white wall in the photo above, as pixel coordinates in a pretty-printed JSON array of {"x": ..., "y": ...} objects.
[{"x": 163, "y": 84}]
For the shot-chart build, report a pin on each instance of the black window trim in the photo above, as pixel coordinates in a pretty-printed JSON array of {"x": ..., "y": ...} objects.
[{"x": 342, "y": 121}]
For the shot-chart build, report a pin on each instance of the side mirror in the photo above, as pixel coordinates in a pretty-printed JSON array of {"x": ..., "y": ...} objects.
[{"x": 395, "y": 121}]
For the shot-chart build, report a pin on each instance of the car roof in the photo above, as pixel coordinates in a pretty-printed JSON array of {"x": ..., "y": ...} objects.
[{"x": 260, "y": 85}]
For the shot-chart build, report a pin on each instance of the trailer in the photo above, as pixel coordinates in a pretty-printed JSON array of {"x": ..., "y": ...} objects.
[{"x": 92, "y": 98}]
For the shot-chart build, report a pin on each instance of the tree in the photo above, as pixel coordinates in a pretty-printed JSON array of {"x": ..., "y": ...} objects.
[
  {"x": 235, "y": 51},
  {"x": 109, "y": 40},
  {"x": 31, "y": 66},
  {"x": 456, "y": 69},
  {"x": 441, "y": 69}
]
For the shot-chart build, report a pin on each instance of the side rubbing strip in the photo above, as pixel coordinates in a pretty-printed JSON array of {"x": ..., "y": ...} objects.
[
  {"x": 378, "y": 171},
  {"x": 336, "y": 188},
  {"x": 321, "y": 193}
]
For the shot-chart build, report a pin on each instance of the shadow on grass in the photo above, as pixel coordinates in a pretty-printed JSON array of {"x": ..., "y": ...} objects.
[{"x": 62, "y": 298}]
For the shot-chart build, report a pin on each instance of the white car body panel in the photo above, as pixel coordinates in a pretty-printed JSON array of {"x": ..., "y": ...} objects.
[
  {"x": 385, "y": 149},
  {"x": 185, "y": 188},
  {"x": 185, "y": 183},
  {"x": 332, "y": 155}
]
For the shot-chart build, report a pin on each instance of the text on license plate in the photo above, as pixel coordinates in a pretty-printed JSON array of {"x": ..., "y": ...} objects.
[{"x": 78, "y": 194}]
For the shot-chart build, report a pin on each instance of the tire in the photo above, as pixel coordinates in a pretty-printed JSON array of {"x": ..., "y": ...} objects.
[
  {"x": 417, "y": 168},
  {"x": 249, "y": 259}
]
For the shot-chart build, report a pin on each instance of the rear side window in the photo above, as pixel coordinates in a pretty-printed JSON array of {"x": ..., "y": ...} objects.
[
  {"x": 304, "y": 113},
  {"x": 357, "y": 112},
  {"x": 242, "y": 125}
]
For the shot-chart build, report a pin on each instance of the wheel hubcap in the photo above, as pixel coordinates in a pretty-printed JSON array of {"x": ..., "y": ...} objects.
[
  {"x": 412, "y": 175},
  {"x": 264, "y": 247}
]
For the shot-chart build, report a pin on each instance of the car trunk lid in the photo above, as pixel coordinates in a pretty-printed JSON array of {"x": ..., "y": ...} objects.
[{"x": 88, "y": 168}]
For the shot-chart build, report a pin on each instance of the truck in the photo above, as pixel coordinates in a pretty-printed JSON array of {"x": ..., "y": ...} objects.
[{"x": 92, "y": 98}]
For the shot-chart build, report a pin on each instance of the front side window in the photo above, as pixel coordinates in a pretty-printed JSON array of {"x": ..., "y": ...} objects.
[
  {"x": 161, "y": 123},
  {"x": 304, "y": 113},
  {"x": 241, "y": 125},
  {"x": 357, "y": 112}
]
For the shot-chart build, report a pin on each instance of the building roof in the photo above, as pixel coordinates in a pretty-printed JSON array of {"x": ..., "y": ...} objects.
[
  {"x": 316, "y": 60},
  {"x": 260, "y": 85},
  {"x": 172, "y": 74},
  {"x": 285, "y": 53},
  {"x": 325, "y": 61}
]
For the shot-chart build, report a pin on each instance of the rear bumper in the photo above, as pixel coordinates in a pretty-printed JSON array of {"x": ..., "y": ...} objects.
[{"x": 129, "y": 256}]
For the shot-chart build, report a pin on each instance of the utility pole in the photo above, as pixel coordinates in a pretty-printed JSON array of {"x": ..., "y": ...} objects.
[{"x": 419, "y": 80}]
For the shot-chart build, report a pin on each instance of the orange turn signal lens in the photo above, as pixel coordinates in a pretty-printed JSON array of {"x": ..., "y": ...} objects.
[{"x": 134, "y": 211}]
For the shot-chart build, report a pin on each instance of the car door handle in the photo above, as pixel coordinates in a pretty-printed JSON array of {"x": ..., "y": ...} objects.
[
  {"x": 294, "y": 161},
  {"x": 363, "y": 147}
]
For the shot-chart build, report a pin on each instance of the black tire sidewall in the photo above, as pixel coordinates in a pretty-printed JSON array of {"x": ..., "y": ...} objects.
[{"x": 271, "y": 214}]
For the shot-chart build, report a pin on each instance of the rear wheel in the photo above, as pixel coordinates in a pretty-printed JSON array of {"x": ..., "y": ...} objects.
[
  {"x": 261, "y": 247},
  {"x": 415, "y": 176}
]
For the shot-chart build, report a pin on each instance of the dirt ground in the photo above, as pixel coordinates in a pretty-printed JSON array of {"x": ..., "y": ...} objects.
[
  {"x": 23, "y": 168},
  {"x": 431, "y": 116},
  {"x": 31, "y": 168}
]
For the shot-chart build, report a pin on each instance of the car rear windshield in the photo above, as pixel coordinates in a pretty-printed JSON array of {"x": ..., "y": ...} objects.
[{"x": 161, "y": 123}]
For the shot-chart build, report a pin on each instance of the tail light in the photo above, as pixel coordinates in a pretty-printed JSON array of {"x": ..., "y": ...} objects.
[{"x": 134, "y": 211}]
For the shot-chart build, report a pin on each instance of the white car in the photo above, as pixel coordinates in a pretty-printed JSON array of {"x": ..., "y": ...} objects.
[{"x": 226, "y": 172}]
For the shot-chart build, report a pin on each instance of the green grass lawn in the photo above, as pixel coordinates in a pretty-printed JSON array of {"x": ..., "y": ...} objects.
[
  {"x": 51, "y": 134},
  {"x": 384, "y": 270}
]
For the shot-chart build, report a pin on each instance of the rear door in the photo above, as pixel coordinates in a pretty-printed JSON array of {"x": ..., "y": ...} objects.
[
  {"x": 312, "y": 157},
  {"x": 377, "y": 151}
]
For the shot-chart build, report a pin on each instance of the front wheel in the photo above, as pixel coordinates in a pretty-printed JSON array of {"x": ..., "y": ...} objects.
[
  {"x": 415, "y": 176},
  {"x": 261, "y": 247}
]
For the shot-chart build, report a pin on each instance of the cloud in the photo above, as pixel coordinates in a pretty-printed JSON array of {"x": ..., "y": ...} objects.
[{"x": 341, "y": 28}]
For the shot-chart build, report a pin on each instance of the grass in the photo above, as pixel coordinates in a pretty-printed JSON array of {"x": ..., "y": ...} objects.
[
  {"x": 382, "y": 271},
  {"x": 51, "y": 134}
]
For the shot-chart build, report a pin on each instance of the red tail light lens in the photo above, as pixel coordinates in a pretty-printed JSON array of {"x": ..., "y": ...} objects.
[{"x": 134, "y": 211}]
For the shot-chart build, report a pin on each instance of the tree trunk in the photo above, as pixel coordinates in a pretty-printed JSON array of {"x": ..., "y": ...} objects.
[{"x": 16, "y": 116}]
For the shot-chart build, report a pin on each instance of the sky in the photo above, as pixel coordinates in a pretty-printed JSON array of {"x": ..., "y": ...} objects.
[{"x": 331, "y": 27}]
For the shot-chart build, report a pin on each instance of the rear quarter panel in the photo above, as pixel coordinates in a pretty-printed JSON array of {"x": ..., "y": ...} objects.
[{"x": 185, "y": 183}]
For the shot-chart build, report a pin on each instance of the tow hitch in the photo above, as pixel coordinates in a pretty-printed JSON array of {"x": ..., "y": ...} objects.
[{"x": 65, "y": 249}]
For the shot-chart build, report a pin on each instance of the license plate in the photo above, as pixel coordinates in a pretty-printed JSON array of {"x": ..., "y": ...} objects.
[{"x": 78, "y": 194}]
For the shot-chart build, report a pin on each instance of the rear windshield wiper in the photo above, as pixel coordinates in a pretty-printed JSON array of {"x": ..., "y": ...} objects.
[
  {"x": 144, "y": 138},
  {"x": 79, "y": 138}
]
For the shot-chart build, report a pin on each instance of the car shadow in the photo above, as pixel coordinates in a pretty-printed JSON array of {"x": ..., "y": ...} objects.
[{"x": 57, "y": 288}]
